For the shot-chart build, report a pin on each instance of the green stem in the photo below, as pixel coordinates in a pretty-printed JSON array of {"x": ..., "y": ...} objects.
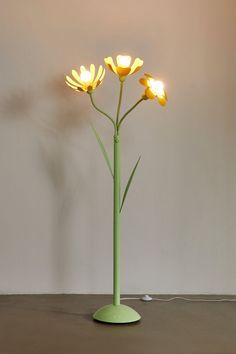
[
  {"x": 116, "y": 223},
  {"x": 133, "y": 107},
  {"x": 119, "y": 103},
  {"x": 116, "y": 190},
  {"x": 116, "y": 206},
  {"x": 99, "y": 110}
]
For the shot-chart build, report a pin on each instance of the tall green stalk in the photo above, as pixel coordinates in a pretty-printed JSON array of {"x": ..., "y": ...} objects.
[
  {"x": 116, "y": 206},
  {"x": 116, "y": 222}
]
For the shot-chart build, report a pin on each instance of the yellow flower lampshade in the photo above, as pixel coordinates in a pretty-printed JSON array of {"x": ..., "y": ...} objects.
[
  {"x": 154, "y": 89},
  {"x": 86, "y": 80},
  {"x": 123, "y": 65}
]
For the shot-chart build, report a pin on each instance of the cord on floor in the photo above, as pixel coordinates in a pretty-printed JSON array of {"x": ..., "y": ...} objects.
[{"x": 148, "y": 298}]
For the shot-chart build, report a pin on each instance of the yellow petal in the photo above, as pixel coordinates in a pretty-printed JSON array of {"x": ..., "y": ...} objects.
[
  {"x": 72, "y": 82},
  {"x": 76, "y": 88},
  {"x": 102, "y": 76},
  {"x": 95, "y": 84},
  {"x": 148, "y": 76},
  {"x": 110, "y": 64},
  {"x": 82, "y": 68},
  {"x": 149, "y": 79},
  {"x": 135, "y": 70},
  {"x": 76, "y": 76},
  {"x": 99, "y": 73},
  {"x": 143, "y": 81},
  {"x": 72, "y": 86},
  {"x": 149, "y": 93},
  {"x": 137, "y": 64},
  {"x": 92, "y": 71},
  {"x": 98, "y": 80},
  {"x": 162, "y": 100}
]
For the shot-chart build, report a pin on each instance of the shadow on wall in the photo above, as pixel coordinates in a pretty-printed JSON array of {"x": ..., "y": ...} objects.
[{"x": 58, "y": 132}]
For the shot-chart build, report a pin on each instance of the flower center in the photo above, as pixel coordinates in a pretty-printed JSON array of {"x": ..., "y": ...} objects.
[
  {"x": 157, "y": 87},
  {"x": 85, "y": 76},
  {"x": 123, "y": 61}
]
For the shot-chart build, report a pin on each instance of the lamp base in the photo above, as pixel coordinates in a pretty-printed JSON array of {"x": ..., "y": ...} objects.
[{"x": 116, "y": 314}]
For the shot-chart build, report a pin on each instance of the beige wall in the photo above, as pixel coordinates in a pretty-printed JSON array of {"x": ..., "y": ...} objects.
[{"x": 179, "y": 224}]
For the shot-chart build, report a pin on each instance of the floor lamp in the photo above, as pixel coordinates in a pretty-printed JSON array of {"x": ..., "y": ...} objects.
[{"x": 87, "y": 81}]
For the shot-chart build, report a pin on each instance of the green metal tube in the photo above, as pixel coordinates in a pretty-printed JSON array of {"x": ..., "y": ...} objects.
[{"x": 116, "y": 223}]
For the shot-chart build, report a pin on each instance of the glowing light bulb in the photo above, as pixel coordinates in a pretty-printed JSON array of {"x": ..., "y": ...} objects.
[
  {"x": 85, "y": 76},
  {"x": 123, "y": 61},
  {"x": 157, "y": 87}
]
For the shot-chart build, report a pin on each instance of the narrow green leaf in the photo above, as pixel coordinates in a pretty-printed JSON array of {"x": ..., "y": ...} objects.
[
  {"x": 129, "y": 182},
  {"x": 103, "y": 150}
]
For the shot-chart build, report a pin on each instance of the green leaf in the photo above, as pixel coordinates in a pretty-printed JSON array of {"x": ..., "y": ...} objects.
[
  {"x": 129, "y": 182},
  {"x": 103, "y": 150}
]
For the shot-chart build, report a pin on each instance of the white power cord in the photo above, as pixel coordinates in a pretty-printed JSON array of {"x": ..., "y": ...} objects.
[{"x": 148, "y": 298}]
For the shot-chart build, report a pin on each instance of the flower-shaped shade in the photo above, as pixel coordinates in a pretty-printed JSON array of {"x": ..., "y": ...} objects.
[
  {"x": 123, "y": 67},
  {"x": 86, "y": 80},
  {"x": 154, "y": 89}
]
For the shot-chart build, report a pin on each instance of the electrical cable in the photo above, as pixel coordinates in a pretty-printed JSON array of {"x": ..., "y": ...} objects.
[{"x": 147, "y": 298}]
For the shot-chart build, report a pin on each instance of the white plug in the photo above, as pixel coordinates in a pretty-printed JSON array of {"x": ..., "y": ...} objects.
[{"x": 146, "y": 298}]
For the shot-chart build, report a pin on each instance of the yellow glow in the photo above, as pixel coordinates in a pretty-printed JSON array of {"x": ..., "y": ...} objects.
[
  {"x": 123, "y": 61},
  {"x": 85, "y": 76},
  {"x": 157, "y": 87}
]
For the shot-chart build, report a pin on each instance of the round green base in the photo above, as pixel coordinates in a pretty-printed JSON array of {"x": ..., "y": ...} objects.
[{"x": 116, "y": 314}]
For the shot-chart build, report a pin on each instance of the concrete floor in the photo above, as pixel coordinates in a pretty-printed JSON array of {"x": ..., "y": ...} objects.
[{"x": 62, "y": 324}]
